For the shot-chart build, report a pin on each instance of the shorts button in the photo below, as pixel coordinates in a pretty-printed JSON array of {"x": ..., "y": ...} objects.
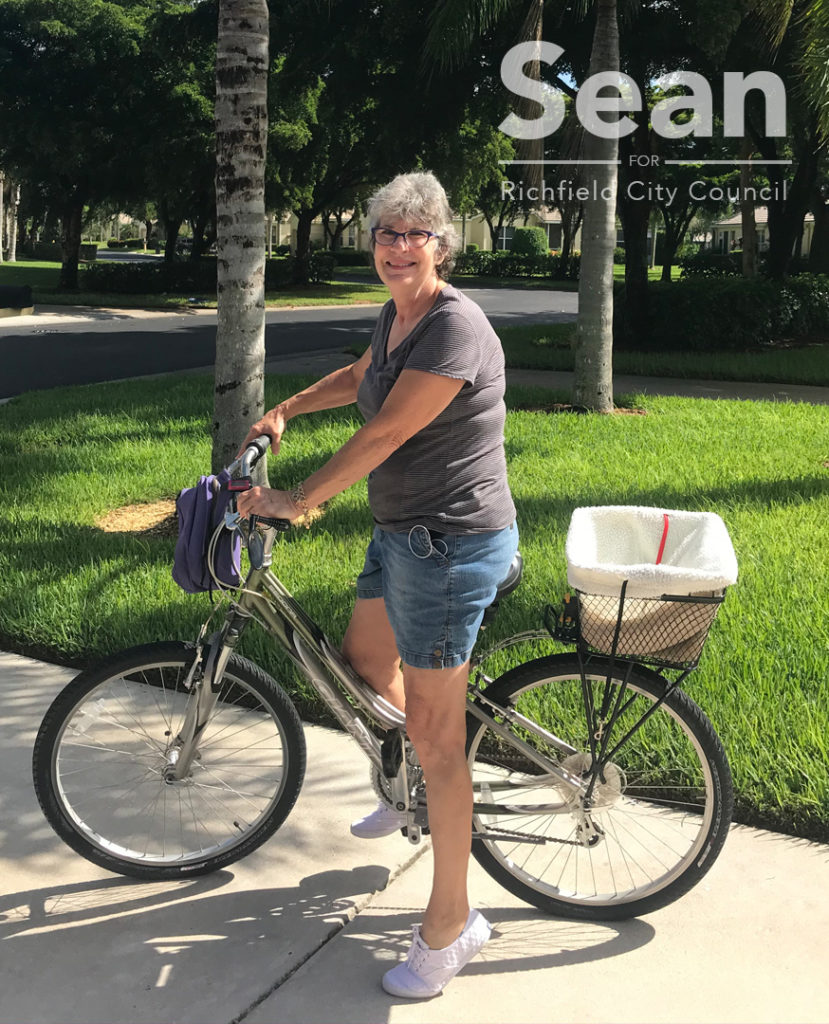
[
  {"x": 437, "y": 652},
  {"x": 436, "y": 663}
]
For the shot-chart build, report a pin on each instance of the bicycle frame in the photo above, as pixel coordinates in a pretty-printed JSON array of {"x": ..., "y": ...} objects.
[{"x": 263, "y": 598}]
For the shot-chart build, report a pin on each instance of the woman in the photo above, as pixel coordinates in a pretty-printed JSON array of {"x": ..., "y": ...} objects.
[{"x": 431, "y": 390}]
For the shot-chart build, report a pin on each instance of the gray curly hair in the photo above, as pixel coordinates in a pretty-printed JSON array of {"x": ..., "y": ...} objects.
[{"x": 420, "y": 198}]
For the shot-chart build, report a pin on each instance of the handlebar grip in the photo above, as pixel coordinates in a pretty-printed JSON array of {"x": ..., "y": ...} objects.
[
  {"x": 283, "y": 525},
  {"x": 261, "y": 444}
]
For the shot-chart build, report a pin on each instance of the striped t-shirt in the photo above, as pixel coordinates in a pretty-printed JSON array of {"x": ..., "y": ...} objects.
[{"x": 451, "y": 477}]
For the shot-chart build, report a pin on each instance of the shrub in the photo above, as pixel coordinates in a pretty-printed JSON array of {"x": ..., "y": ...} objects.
[
  {"x": 321, "y": 267},
  {"x": 529, "y": 242},
  {"x": 471, "y": 247},
  {"x": 89, "y": 252},
  {"x": 706, "y": 263},
  {"x": 512, "y": 264},
  {"x": 729, "y": 313},
  {"x": 351, "y": 257},
  {"x": 618, "y": 254},
  {"x": 804, "y": 305},
  {"x": 192, "y": 276},
  {"x": 278, "y": 272},
  {"x": 51, "y": 251},
  {"x": 152, "y": 278}
]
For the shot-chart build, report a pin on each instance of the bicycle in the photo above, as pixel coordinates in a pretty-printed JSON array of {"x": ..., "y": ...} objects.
[{"x": 601, "y": 789}]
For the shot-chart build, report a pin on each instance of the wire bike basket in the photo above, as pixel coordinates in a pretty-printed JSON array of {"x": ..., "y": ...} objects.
[{"x": 649, "y": 582}]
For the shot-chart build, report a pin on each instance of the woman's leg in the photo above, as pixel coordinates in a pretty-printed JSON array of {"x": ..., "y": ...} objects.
[
  {"x": 436, "y": 724},
  {"x": 370, "y": 649}
]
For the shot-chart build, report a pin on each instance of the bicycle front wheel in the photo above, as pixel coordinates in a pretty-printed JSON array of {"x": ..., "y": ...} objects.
[
  {"x": 659, "y": 815},
  {"x": 102, "y": 749}
]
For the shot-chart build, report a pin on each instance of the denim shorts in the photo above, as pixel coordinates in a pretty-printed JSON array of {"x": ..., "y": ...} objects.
[{"x": 436, "y": 588}]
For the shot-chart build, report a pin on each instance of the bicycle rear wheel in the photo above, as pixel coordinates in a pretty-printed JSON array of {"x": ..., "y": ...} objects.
[
  {"x": 660, "y": 814},
  {"x": 100, "y": 755}
]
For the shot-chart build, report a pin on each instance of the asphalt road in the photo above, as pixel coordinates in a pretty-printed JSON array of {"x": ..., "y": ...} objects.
[{"x": 100, "y": 345}]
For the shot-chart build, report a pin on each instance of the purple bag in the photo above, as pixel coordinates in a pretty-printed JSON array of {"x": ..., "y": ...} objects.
[{"x": 200, "y": 510}]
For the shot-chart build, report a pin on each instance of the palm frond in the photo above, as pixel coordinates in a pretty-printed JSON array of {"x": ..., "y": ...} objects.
[
  {"x": 455, "y": 26},
  {"x": 813, "y": 20},
  {"x": 774, "y": 16}
]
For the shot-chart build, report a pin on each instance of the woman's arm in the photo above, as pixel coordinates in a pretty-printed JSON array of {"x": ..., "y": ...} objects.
[
  {"x": 415, "y": 400},
  {"x": 337, "y": 389}
]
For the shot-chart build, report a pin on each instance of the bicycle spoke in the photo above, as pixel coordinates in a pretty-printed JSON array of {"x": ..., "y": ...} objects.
[
  {"x": 110, "y": 764},
  {"x": 647, "y": 811}
]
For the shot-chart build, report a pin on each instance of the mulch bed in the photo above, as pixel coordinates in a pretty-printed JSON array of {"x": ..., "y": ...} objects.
[{"x": 154, "y": 519}]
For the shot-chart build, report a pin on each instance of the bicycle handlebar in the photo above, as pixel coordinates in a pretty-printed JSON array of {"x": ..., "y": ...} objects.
[
  {"x": 246, "y": 461},
  {"x": 251, "y": 455}
]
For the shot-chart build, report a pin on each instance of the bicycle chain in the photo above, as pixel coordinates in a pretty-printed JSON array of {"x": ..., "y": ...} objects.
[{"x": 505, "y": 833}]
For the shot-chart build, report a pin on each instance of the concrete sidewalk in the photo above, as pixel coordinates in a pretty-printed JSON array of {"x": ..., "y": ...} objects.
[{"x": 302, "y": 930}]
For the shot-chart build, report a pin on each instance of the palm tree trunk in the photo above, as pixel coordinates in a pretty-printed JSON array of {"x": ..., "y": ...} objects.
[
  {"x": 747, "y": 214},
  {"x": 593, "y": 383},
  {"x": 819, "y": 250},
  {"x": 241, "y": 136},
  {"x": 14, "y": 204}
]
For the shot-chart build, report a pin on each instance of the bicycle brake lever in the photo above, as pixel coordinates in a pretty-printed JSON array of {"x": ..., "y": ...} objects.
[{"x": 232, "y": 519}]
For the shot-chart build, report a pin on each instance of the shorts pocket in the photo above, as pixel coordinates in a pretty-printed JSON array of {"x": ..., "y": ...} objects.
[{"x": 428, "y": 544}]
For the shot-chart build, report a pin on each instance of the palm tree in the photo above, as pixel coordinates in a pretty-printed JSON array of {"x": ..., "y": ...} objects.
[
  {"x": 794, "y": 34},
  {"x": 593, "y": 353},
  {"x": 241, "y": 135},
  {"x": 455, "y": 24}
]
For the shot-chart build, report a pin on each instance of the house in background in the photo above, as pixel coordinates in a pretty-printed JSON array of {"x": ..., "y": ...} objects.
[
  {"x": 727, "y": 234},
  {"x": 472, "y": 230}
]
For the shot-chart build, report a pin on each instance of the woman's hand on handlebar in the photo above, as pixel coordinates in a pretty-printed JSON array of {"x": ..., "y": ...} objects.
[
  {"x": 264, "y": 501},
  {"x": 273, "y": 423}
]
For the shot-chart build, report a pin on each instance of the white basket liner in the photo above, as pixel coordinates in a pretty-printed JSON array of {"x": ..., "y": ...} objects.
[{"x": 607, "y": 544}]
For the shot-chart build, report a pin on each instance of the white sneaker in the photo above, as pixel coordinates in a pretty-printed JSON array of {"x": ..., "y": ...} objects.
[
  {"x": 426, "y": 971},
  {"x": 382, "y": 821}
]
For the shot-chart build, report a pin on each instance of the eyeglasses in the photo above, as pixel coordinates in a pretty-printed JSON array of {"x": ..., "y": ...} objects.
[{"x": 415, "y": 239}]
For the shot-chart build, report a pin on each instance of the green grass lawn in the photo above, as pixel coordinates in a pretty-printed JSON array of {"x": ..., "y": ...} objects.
[
  {"x": 548, "y": 347},
  {"x": 43, "y": 278},
  {"x": 71, "y": 591}
]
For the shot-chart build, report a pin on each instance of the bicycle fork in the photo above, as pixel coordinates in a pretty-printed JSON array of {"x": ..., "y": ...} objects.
[{"x": 184, "y": 748}]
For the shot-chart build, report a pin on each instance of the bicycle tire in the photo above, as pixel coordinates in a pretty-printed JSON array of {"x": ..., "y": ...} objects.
[
  {"x": 663, "y": 808},
  {"x": 100, "y": 751}
]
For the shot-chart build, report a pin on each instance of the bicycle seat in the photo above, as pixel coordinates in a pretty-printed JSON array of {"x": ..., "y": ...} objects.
[{"x": 506, "y": 586}]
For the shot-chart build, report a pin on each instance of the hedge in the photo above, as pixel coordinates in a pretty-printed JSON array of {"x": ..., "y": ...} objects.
[
  {"x": 728, "y": 313},
  {"x": 195, "y": 276},
  {"x": 351, "y": 257},
  {"x": 49, "y": 251},
  {"x": 125, "y": 243},
  {"x": 708, "y": 264},
  {"x": 512, "y": 264}
]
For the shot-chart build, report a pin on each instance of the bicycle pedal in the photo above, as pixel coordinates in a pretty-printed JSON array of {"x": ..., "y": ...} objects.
[{"x": 417, "y": 833}]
